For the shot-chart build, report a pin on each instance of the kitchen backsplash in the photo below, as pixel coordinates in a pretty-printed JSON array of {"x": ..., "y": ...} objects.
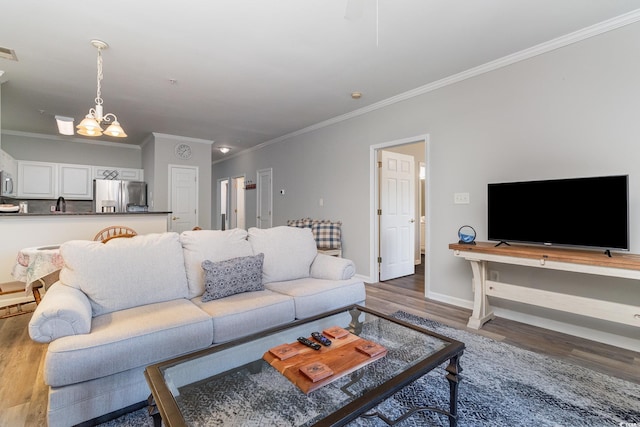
[{"x": 44, "y": 206}]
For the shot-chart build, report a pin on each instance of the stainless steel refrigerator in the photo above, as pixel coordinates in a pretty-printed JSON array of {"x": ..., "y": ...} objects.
[{"x": 119, "y": 196}]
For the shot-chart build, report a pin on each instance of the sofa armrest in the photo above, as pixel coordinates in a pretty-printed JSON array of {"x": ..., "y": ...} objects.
[
  {"x": 63, "y": 311},
  {"x": 332, "y": 268}
]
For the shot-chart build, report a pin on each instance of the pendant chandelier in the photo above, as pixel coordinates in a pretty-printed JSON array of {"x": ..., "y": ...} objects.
[{"x": 90, "y": 125}]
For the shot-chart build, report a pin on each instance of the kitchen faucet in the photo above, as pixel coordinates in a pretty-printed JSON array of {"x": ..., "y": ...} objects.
[{"x": 61, "y": 205}]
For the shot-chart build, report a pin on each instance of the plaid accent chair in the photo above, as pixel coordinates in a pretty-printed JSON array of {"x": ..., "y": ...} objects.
[{"x": 327, "y": 233}]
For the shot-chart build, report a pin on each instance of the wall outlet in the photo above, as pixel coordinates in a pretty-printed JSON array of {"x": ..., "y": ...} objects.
[
  {"x": 494, "y": 275},
  {"x": 461, "y": 198},
  {"x": 52, "y": 208}
]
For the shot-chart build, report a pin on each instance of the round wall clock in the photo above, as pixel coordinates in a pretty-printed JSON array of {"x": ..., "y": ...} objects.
[{"x": 183, "y": 151}]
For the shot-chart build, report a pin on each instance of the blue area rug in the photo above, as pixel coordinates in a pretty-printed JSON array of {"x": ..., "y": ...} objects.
[{"x": 501, "y": 385}]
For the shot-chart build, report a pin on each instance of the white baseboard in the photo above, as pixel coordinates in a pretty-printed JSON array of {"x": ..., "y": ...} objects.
[
  {"x": 365, "y": 279},
  {"x": 553, "y": 325},
  {"x": 458, "y": 302}
]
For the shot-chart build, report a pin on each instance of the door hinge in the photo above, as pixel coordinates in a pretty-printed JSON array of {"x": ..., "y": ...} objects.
[
  {"x": 379, "y": 211},
  {"x": 379, "y": 260},
  {"x": 379, "y": 164}
]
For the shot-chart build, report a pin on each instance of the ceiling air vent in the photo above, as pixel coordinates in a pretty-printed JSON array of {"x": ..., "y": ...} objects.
[{"x": 7, "y": 53}]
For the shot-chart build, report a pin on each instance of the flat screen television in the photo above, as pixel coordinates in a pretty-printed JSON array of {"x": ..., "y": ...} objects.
[{"x": 582, "y": 212}]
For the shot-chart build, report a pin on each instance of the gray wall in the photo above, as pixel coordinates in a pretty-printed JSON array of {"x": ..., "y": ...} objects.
[
  {"x": 567, "y": 113},
  {"x": 159, "y": 153},
  {"x": 56, "y": 149}
]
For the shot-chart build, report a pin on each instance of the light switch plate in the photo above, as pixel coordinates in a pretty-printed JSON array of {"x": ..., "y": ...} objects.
[{"x": 461, "y": 198}]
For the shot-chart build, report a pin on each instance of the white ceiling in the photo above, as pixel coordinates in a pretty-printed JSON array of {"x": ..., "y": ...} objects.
[{"x": 250, "y": 71}]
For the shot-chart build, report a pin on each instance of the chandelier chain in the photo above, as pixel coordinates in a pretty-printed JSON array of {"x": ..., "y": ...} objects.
[{"x": 99, "y": 78}]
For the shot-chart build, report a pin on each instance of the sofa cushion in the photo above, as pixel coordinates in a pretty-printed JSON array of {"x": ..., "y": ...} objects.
[
  {"x": 247, "y": 313},
  {"x": 125, "y": 273},
  {"x": 212, "y": 245},
  {"x": 288, "y": 252},
  {"x": 127, "y": 339},
  {"x": 328, "y": 234},
  {"x": 232, "y": 276},
  {"x": 316, "y": 296}
]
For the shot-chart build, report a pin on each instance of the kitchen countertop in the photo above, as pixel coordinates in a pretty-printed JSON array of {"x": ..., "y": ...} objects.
[{"x": 18, "y": 214}]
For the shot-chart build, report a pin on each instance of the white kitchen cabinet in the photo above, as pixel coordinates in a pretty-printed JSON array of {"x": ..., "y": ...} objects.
[
  {"x": 110, "y": 172},
  {"x": 131, "y": 174},
  {"x": 75, "y": 181},
  {"x": 37, "y": 180}
]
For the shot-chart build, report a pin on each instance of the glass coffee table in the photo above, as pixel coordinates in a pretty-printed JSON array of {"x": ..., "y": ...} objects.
[{"x": 231, "y": 384}]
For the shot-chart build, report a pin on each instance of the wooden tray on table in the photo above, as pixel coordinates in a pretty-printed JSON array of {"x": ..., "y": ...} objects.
[{"x": 311, "y": 369}]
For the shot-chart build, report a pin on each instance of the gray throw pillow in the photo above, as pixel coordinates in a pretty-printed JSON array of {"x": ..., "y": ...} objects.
[{"x": 232, "y": 276}]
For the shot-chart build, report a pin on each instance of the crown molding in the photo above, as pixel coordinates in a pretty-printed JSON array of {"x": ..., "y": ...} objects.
[
  {"x": 182, "y": 138},
  {"x": 557, "y": 43},
  {"x": 69, "y": 139}
]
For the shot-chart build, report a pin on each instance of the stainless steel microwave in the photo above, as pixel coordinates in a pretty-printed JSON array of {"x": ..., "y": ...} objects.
[{"x": 7, "y": 183}]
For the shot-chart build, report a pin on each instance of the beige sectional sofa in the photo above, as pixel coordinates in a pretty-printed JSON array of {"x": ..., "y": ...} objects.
[{"x": 129, "y": 303}]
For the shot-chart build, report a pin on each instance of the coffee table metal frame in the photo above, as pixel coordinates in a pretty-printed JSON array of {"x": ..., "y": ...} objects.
[{"x": 164, "y": 408}]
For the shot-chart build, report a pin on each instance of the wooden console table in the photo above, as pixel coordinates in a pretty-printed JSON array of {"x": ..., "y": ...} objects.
[{"x": 579, "y": 261}]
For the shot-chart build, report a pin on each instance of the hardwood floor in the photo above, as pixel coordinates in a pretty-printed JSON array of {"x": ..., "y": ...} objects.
[{"x": 23, "y": 395}]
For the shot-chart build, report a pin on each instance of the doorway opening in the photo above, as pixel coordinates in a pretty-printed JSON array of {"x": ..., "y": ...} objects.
[
  {"x": 222, "y": 214},
  {"x": 381, "y": 238},
  {"x": 237, "y": 210}
]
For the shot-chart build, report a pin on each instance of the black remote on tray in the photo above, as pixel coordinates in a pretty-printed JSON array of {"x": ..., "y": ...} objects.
[
  {"x": 321, "y": 338},
  {"x": 309, "y": 343}
]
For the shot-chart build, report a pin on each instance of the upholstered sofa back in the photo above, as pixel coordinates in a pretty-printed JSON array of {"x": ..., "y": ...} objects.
[
  {"x": 288, "y": 252},
  {"x": 126, "y": 273},
  {"x": 211, "y": 245}
]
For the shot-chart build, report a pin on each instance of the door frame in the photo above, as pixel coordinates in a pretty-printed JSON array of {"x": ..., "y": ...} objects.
[{"x": 374, "y": 187}]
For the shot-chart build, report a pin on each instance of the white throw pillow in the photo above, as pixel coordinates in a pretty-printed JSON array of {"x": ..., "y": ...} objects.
[
  {"x": 125, "y": 273},
  {"x": 288, "y": 252},
  {"x": 212, "y": 245}
]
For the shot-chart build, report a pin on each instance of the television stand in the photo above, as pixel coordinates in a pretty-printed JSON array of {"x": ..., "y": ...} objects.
[{"x": 578, "y": 261}]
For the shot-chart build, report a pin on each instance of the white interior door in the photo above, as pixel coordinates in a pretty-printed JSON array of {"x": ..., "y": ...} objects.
[
  {"x": 264, "y": 217},
  {"x": 237, "y": 203},
  {"x": 397, "y": 215},
  {"x": 183, "y": 198}
]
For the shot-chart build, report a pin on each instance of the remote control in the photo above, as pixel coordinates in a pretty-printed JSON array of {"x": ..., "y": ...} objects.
[
  {"x": 321, "y": 338},
  {"x": 309, "y": 343}
]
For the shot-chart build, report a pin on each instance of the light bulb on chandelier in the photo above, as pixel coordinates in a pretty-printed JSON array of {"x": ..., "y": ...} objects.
[{"x": 90, "y": 125}]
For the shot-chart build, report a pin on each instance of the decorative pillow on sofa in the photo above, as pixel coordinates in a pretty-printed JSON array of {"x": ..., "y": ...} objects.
[
  {"x": 328, "y": 234},
  {"x": 232, "y": 276},
  {"x": 212, "y": 245}
]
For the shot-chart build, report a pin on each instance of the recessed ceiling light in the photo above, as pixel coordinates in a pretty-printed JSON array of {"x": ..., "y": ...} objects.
[
  {"x": 356, "y": 95},
  {"x": 224, "y": 150},
  {"x": 8, "y": 53},
  {"x": 65, "y": 125}
]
